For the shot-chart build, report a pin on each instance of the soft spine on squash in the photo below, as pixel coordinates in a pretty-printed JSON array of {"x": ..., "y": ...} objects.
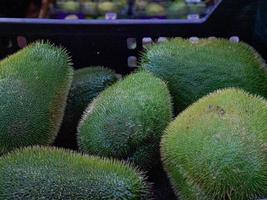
[
  {"x": 127, "y": 120},
  {"x": 34, "y": 85},
  {"x": 86, "y": 85},
  {"x": 51, "y": 173},
  {"x": 194, "y": 69},
  {"x": 216, "y": 148}
]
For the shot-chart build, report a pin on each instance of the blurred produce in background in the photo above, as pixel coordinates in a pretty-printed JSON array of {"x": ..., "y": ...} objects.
[
  {"x": 177, "y": 9},
  {"x": 90, "y": 9},
  {"x": 106, "y": 9},
  {"x": 131, "y": 9}
]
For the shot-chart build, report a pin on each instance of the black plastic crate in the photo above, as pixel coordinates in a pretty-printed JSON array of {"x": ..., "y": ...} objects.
[{"x": 104, "y": 42}]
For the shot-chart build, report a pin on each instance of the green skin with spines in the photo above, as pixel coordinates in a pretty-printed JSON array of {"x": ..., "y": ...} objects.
[
  {"x": 34, "y": 85},
  {"x": 51, "y": 173},
  {"x": 216, "y": 148},
  {"x": 193, "y": 70},
  {"x": 126, "y": 120},
  {"x": 86, "y": 85}
]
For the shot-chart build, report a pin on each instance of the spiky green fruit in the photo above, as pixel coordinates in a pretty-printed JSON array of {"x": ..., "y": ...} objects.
[
  {"x": 127, "y": 119},
  {"x": 155, "y": 9},
  {"x": 70, "y": 6},
  {"x": 86, "y": 85},
  {"x": 216, "y": 148},
  {"x": 50, "y": 173},
  {"x": 194, "y": 69},
  {"x": 106, "y": 6},
  {"x": 34, "y": 85},
  {"x": 177, "y": 9}
]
